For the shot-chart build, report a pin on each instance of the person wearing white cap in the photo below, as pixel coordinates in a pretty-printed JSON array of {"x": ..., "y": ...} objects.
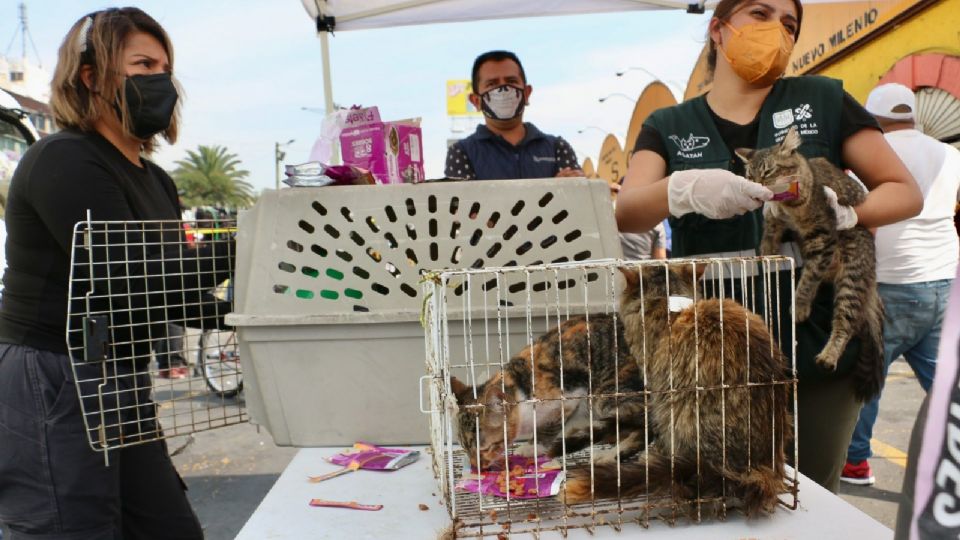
[{"x": 916, "y": 258}]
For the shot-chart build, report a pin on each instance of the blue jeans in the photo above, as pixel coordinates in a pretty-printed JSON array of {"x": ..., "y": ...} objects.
[{"x": 913, "y": 317}]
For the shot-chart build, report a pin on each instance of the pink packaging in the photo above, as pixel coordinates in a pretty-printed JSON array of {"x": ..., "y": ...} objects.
[
  {"x": 786, "y": 191},
  {"x": 526, "y": 479},
  {"x": 391, "y": 151},
  {"x": 372, "y": 457}
]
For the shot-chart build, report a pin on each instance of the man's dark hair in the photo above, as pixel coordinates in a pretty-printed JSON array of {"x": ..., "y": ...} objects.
[{"x": 494, "y": 56}]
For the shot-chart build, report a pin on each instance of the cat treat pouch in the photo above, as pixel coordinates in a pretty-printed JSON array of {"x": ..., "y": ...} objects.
[
  {"x": 374, "y": 458},
  {"x": 787, "y": 190},
  {"x": 523, "y": 481}
]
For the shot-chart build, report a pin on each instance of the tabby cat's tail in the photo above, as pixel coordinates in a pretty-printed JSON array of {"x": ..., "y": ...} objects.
[
  {"x": 868, "y": 372},
  {"x": 648, "y": 474},
  {"x": 758, "y": 488}
]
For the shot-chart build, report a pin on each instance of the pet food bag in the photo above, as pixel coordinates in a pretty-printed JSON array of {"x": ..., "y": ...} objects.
[{"x": 391, "y": 151}]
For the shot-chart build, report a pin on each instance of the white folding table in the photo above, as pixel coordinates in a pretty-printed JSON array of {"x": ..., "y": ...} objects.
[{"x": 285, "y": 512}]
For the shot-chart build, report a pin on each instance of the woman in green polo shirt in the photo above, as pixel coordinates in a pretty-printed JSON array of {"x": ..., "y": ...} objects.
[{"x": 684, "y": 168}]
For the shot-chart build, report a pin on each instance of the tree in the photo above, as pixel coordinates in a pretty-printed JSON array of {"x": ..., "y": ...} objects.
[{"x": 212, "y": 176}]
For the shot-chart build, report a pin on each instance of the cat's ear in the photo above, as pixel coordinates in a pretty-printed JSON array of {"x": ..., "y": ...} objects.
[
  {"x": 460, "y": 390},
  {"x": 791, "y": 141},
  {"x": 690, "y": 273},
  {"x": 631, "y": 275},
  {"x": 746, "y": 154}
]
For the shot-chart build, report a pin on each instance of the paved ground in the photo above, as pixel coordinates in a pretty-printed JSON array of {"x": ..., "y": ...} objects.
[
  {"x": 898, "y": 408},
  {"x": 229, "y": 470}
]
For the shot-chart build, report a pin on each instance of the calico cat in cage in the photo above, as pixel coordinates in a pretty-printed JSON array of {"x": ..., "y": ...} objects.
[
  {"x": 585, "y": 361},
  {"x": 846, "y": 258},
  {"x": 710, "y": 442}
]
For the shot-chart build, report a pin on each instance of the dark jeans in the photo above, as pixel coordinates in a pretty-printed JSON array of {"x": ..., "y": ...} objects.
[
  {"x": 827, "y": 412},
  {"x": 54, "y": 486},
  {"x": 169, "y": 349}
]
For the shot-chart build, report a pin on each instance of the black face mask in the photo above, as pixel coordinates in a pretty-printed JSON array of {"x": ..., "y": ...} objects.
[{"x": 151, "y": 100}]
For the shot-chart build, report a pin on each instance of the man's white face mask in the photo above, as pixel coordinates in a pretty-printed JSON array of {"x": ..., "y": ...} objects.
[{"x": 502, "y": 103}]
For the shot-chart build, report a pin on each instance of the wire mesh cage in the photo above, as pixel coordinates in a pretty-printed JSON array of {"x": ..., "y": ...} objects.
[
  {"x": 665, "y": 396},
  {"x": 150, "y": 353}
]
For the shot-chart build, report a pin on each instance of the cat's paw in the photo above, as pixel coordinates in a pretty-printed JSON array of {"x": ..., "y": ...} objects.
[
  {"x": 802, "y": 311},
  {"x": 826, "y": 362},
  {"x": 576, "y": 489},
  {"x": 608, "y": 456},
  {"x": 527, "y": 450},
  {"x": 552, "y": 465}
]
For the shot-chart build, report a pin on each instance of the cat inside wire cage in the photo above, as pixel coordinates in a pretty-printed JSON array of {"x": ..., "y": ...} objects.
[
  {"x": 584, "y": 394},
  {"x": 146, "y": 298}
]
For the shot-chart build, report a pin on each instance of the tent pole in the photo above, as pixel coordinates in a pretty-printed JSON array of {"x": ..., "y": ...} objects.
[{"x": 328, "y": 88}]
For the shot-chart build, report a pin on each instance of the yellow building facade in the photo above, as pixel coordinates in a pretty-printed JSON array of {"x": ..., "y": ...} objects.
[
  {"x": 912, "y": 42},
  {"x": 913, "y": 28}
]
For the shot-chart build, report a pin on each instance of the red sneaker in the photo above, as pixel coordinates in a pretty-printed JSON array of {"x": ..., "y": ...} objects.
[
  {"x": 858, "y": 473},
  {"x": 179, "y": 372}
]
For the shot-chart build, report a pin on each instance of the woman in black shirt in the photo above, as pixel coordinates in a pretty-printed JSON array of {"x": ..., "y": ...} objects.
[{"x": 113, "y": 94}]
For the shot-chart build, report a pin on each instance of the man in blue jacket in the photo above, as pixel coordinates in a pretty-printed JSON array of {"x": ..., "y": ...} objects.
[{"x": 506, "y": 147}]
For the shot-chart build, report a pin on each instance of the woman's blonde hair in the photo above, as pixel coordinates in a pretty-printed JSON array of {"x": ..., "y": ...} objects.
[{"x": 97, "y": 40}]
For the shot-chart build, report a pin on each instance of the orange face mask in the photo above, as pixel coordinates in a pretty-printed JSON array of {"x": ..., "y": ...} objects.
[{"x": 758, "y": 52}]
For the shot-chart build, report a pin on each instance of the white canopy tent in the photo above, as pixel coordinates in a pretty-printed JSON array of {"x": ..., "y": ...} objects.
[
  {"x": 344, "y": 15},
  {"x": 367, "y": 14}
]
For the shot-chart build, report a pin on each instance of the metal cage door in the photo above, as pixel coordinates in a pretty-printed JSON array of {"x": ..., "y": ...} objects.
[{"x": 151, "y": 356}]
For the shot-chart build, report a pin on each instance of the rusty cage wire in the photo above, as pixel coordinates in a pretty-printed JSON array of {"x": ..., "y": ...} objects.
[
  {"x": 136, "y": 289},
  {"x": 476, "y": 321}
]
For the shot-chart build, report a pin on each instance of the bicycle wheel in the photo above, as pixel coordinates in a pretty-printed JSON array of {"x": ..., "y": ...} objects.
[{"x": 219, "y": 360}]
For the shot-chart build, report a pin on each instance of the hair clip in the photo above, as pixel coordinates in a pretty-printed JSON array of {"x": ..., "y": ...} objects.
[{"x": 84, "y": 34}]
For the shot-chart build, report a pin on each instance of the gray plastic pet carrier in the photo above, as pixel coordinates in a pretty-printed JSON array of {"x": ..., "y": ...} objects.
[{"x": 328, "y": 292}]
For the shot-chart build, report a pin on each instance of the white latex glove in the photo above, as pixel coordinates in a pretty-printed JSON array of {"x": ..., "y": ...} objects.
[
  {"x": 846, "y": 216},
  {"x": 714, "y": 193}
]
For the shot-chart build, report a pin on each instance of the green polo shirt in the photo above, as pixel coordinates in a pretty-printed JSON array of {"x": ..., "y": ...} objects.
[{"x": 692, "y": 140}]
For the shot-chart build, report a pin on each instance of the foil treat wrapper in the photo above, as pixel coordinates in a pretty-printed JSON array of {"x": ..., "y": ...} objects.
[
  {"x": 375, "y": 458},
  {"x": 785, "y": 191},
  {"x": 316, "y": 174}
]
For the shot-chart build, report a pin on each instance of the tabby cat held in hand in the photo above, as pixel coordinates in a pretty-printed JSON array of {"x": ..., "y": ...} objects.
[{"x": 844, "y": 256}]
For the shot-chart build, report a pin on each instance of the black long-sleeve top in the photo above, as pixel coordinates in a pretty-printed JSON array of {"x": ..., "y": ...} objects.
[{"x": 60, "y": 179}]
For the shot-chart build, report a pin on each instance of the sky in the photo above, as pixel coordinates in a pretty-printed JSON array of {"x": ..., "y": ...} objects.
[{"x": 252, "y": 71}]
